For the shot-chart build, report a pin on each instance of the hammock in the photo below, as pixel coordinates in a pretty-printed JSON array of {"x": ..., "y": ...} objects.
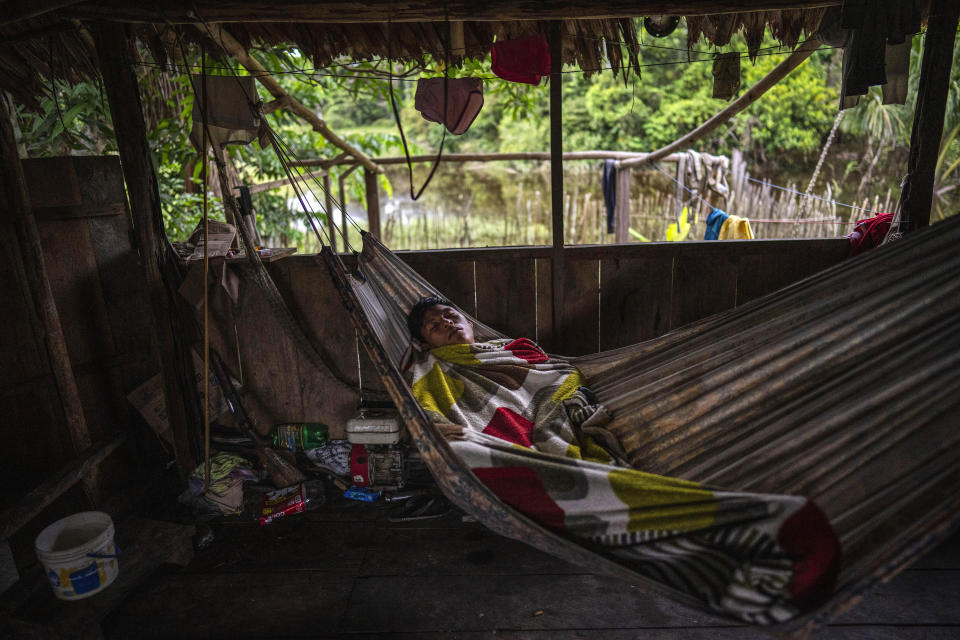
[{"x": 842, "y": 388}]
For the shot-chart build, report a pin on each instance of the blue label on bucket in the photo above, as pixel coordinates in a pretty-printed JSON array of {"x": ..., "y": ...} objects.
[
  {"x": 53, "y": 578},
  {"x": 85, "y": 580}
]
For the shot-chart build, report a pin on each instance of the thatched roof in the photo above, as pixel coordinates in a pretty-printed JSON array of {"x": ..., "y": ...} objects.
[{"x": 53, "y": 38}]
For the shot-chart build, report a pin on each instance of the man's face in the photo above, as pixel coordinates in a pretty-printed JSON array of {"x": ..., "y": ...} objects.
[{"x": 443, "y": 325}]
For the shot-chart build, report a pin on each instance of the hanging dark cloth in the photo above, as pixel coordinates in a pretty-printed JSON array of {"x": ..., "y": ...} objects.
[
  {"x": 525, "y": 60},
  {"x": 609, "y": 186},
  {"x": 464, "y": 99},
  {"x": 874, "y": 36}
]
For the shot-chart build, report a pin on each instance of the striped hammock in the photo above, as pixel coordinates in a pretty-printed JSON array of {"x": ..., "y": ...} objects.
[{"x": 843, "y": 388}]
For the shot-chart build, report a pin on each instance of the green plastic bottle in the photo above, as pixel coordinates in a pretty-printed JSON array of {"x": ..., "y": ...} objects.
[{"x": 300, "y": 436}]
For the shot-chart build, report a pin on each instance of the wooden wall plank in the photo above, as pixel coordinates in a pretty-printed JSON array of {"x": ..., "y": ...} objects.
[
  {"x": 579, "y": 325},
  {"x": 23, "y": 354},
  {"x": 635, "y": 300},
  {"x": 506, "y": 297},
  {"x": 544, "y": 293},
  {"x": 704, "y": 283},
  {"x": 763, "y": 273},
  {"x": 75, "y": 282},
  {"x": 448, "y": 273}
]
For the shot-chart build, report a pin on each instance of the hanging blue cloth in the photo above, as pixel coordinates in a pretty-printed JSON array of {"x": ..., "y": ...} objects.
[
  {"x": 714, "y": 222},
  {"x": 609, "y": 187}
]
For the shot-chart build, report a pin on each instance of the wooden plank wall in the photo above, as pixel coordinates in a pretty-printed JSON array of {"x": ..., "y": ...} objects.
[
  {"x": 98, "y": 287},
  {"x": 616, "y": 296},
  {"x": 619, "y": 295}
]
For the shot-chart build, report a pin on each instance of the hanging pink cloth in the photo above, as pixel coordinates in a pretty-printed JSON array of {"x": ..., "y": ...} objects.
[
  {"x": 869, "y": 233},
  {"x": 464, "y": 100},
  {"x": 524, "y": 60}
]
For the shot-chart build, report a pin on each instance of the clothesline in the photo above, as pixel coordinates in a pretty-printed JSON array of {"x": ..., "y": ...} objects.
[
  {"x": 835, "y": 219},
  {"x": 809, "y": 195}
]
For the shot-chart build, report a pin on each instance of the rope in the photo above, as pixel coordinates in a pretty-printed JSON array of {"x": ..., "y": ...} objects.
[
  {"x": 396, "y": 113},
  {"x": 206, "y": 275},
  {"x": 823, "y": 153},
  {"x": 809, "y": 195},
  {"x": 683, "y": 186}
]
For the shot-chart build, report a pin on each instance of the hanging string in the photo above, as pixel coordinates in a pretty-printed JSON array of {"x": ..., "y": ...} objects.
[
  {"x": 683, "y": 186},
  {"x": 206, "y": 272},
  {"x": 396, "y": 113}
]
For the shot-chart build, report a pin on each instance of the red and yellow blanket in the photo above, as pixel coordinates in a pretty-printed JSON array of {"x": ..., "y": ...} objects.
[{"x": 523, "y": 417}]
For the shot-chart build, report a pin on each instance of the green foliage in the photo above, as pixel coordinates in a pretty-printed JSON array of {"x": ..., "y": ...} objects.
[
  {"x": 73, "y": 119},
  {"x": 780, "y": 133}
]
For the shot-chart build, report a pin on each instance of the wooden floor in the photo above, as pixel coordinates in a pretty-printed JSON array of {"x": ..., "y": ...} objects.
[{"x": 346, "y": 571}]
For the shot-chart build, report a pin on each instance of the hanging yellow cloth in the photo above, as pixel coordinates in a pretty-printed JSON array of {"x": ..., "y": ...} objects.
[{"x": 735, "y": 228}]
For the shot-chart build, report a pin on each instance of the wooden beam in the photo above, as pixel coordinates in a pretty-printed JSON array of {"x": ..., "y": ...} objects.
[
  {"x": 15, "y": 204},
  {"x": 179, "y": 386},
  {"x": 373, "y": 202},
  {"x": 916, "y": 197},
  {"x": 495, "y": 157},
  {"x": 282, "y": 182},
  {"x": 264, "y": 77},
  {"x": 351, "y": 11},
  {"x": 17, "y": 10},
  {"x": 556, "y": 174},
  {"x": 801, "y": 53}
]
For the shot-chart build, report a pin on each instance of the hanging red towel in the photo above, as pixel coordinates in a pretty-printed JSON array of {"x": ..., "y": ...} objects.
[
  {"x": 524, "y": 60},
  {"x": 464, "y": 99},
  {"x": 869, "y": 233}
]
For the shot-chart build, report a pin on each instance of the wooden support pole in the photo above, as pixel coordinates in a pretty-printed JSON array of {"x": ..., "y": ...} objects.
[
  {"x": 621, "y": 208},
  {"x": 179, "y": 386},
  {"x": 328, "y": 207},
  {"x": 343, "y": 206},
  {"x": 556, "y": 174},
  {"x": 916, "y": 197},
  {"x": 778, "y": 73},
  {"x": 15, "y": 204},
  {"x": 373, "y": 202},
  {"x": 264, "y": 77}
]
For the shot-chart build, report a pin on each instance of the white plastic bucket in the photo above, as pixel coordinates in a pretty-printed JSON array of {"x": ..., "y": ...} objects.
[{"x": 78, "y": 554}]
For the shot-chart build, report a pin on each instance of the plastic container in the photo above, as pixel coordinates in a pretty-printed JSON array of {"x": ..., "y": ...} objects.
[
  {"x": 374, "y": 427},
  {"x": 79, "y": 555},
  {"x": 299, "y": 436}
]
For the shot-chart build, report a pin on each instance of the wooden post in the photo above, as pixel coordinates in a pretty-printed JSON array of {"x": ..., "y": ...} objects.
[
  {"x": 916, "y": 197},
  {"x": 373, "y": 202},
  {"x": 556, "y": 174},
  {"x": 621, "y": 208},
  {"x": 328, "y": 205},
  {"x": 15, "y": 203},
  {"x": 120, "y": 83}
]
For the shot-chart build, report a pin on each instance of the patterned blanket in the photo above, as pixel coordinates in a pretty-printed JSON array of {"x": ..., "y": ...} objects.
[{"x": 527, "y": 427}]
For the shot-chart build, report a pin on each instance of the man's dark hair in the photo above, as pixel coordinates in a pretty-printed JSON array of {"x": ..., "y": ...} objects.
[{"x": 415, "y": 317}]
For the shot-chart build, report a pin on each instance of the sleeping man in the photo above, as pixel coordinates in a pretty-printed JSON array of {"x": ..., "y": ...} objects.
[
  {"x": 509, "y": 389},
  {"x": 529, "y": 430}
]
